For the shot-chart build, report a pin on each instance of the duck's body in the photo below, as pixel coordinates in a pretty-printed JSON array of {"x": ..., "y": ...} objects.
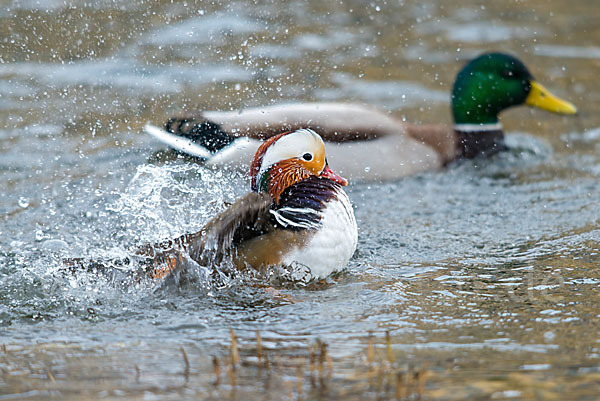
[
  {"x": 372, "y": 145},
  {"x": 368, "y": 144},
  {"x": 298, "y": 217},
  {"x": 363, "y": 142}
]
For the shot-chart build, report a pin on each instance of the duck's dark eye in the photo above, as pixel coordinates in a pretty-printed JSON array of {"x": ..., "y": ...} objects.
[{"x": 307, "y": 157}]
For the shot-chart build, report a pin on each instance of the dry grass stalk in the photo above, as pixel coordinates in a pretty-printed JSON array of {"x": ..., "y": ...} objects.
[
  {"x": 312, "y": 358},
  {"x": 322, "y": 354},
  {"x": 50, "y": 375},
  {"x": 234, "y": 352},
  {"x": 420, "y": 382},
  {"x": 321, "y": 363},
  {"x": 322, "y": 347},
  {"x": 371, "y": 349},
  {"x": 231, "y": 375},
  {"x": 186, "y": 372},
  {"x": 259, "y": 349},
  {"x": 329, "y": 362},
  {"x": 388, "y": 343},
  {"x": 217, "y": 370},
  {"x": 290, "y": 388},
  {"x": 399, "y": 385},
  {"x": 299, "y": 380},
  {"x": 379, "y": 377}
]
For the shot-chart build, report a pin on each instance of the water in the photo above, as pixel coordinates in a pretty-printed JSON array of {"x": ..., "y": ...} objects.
[{"x": 484, "y": 275}]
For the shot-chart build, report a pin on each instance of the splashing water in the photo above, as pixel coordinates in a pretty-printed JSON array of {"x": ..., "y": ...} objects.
[
  {"x": 160, "y": 202},
  {"x": 166, "y": 201}
]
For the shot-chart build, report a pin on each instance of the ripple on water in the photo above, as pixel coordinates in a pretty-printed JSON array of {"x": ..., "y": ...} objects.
[
  {"x": 391, "y": 95},
  {"x": 125, "y": 74},
  {"x": 211, "y": 29},
  {"x": 558, "y": 51},
  {"x": 486, "y": 272},
  {"x": 478, "y": 32}
]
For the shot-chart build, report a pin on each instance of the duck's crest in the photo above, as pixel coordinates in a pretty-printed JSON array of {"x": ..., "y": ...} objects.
[{"x": 258, "y": 158}]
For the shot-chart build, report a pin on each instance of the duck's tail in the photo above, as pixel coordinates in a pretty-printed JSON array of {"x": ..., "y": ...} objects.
[
  {"x": 206, "y": 140},
  {"x": 193, "y": 136}
]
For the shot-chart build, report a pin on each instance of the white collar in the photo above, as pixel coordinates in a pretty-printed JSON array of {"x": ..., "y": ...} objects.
[{"x": 478, "y": 127}]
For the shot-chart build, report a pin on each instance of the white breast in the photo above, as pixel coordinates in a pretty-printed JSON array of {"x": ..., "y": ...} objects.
[{"x": 330, "y": 249}]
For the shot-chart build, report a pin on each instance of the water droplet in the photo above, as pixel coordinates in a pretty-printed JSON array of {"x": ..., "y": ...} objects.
[
  {"x": 23, "y": 202},
  {"x": 55, "y": 245}
]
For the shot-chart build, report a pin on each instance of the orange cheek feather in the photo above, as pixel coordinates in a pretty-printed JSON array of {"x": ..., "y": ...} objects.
[
  {"x": 283, "y": 175},
  {"x": 315, "y": 165}
]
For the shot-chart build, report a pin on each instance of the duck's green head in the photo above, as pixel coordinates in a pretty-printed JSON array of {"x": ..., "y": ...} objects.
[{"x": 496, "y": 81}]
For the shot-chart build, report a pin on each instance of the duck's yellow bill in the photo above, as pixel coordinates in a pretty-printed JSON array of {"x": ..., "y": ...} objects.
[{"x": 542, "y": 98}]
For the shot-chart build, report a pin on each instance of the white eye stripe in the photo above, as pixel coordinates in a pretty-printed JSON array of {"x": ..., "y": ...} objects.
[{"x": 292, "y": 146}]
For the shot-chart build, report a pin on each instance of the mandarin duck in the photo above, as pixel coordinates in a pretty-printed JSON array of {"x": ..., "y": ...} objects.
[{"x": 296, "y": 216}]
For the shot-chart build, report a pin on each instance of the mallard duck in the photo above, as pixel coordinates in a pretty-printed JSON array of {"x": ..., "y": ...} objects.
[
  {"x": 297, "y": 216},
  {"x": 368, "y": 144}
]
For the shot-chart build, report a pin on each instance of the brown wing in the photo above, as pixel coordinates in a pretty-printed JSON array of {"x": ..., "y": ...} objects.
[{"x": 245, "y": 219}]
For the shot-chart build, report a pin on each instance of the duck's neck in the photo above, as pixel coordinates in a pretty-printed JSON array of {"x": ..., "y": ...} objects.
[
  {"x": 475, "y": 140},
  {"x": 475, "y": 108}
]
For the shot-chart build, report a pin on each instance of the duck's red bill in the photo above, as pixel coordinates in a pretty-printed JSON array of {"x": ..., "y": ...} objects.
[{"x": 329, "y": 174}]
